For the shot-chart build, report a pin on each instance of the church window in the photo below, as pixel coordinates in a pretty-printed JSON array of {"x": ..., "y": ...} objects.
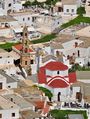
[
  {"x": 25, "y": 62},
  {"x": 57, "y": 72},
  {"x": 9, "y": 5}
]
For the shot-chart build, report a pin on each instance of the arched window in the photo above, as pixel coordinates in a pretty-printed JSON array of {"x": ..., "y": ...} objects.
[{"x": 57, "y": 72}]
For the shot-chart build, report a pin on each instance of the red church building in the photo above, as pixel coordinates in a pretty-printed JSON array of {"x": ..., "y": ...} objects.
[{"x": 55, "y": 77}]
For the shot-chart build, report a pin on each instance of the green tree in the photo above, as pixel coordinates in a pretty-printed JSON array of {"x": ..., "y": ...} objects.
[
  {"x": 35, "y": 2},
  {"x": 27, "y": 4},
  {"x": 81, "y": 10},
  {"x": 47, "y": 92},
  {"x": 51, "y": 2},
  {"x": 75, "y": 67},
  {"x": 58, "y": 114},
  {"x": 48, "y": 2}
]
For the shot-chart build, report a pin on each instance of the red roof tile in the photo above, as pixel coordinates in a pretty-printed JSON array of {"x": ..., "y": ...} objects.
[
  {"x": 39, "y": 104},
  {"x": 56, "y": 66},
  {"x": 72, "y": 77},
  {"x": 19, "y": 47},
  {"x": 41, "y": 76},
  {"x": 57, "y": 83},
  {"x": 46, "y": 109}
]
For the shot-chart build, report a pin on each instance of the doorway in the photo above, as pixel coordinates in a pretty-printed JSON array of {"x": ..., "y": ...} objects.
[
  {"x": 59, "y": 94},
  {"x": 0, "y": 85}
]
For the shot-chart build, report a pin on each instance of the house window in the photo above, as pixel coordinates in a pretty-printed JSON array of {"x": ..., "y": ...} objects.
[
  {"x": 26, "y": 34},
  {"x": 68, "y": 57},
  {"x": 9, "y": 5},
  {"x": 9, "y": 86},
  {"x": 33, "y": 19},
  {"x": 72, "y": 10},
  {"x": 78, "y": 53},
  {"x": 11, "y": 99},
  {"x": 23, "y": 19},
  {"x": 0, "y": 115},
  {"x": 28, "y": 18},
  {"x": 1, "y": 85},
  {"x": 13, "y": 114},
  {"x": 57, "y": 72},
  {"x": 25, "y": 62},
  {"x": 31, "y": 61},
  {"x": 67, "y": 10}
]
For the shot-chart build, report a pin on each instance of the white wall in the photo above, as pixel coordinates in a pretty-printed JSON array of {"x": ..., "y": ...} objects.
[
  {"x": 12, "y": 85},
  {"x": 7, "y": 114},
  {"x": 6, "y": 32},
  {"x": 48, "y": 50},
  {"x": 34, "y": 68},
  {"x": 23, "y": 18},
  {"x": 6, "y": 5},
  {"x": 17, "y": 7},
  {"x": 64, "y": 93},
  {"x": 54, "y": 73},
  {"x": 81, "y": 61},
  {"x": 75, "y": 90},
  {"x": 6, "y": 61},
  {"x": 13, "y": 24},
  {"x": 1, "y": 12},
  {"x": 3, "y": 81}
]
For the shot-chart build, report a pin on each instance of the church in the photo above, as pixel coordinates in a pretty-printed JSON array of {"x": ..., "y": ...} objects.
[{"x": 55, "y": 77}]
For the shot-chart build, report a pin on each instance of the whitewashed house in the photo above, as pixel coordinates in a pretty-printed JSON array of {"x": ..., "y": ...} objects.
[
  {"x": 20, "y": 102},
  {"x": 25, "y": 17},
  {"x": 87, "y": 8},
  {"x": 67, "y": 7},
  {"x": 8, "y": 6},
  {"x": 8, "y": 82},
  {"x": 5, "y": 59},
  {"x": 8, "y": 109},
  {"x": 6, "y": 25}
]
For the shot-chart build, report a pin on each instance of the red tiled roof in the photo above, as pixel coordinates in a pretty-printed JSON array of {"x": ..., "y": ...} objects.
[
  {"x": 39, "y": 104},
  {"x": 41, "y": 76},
  {"x": 56, "y": 66},
  {"x": 72, "y": 77},
  {"x": 57, "y": 83},
  {"x": 46, "y": 109},
  {"x": 19, "y": 47}
]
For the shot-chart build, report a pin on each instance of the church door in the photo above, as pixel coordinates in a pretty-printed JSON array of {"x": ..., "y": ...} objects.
[{"x": 59, "y": 96}]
